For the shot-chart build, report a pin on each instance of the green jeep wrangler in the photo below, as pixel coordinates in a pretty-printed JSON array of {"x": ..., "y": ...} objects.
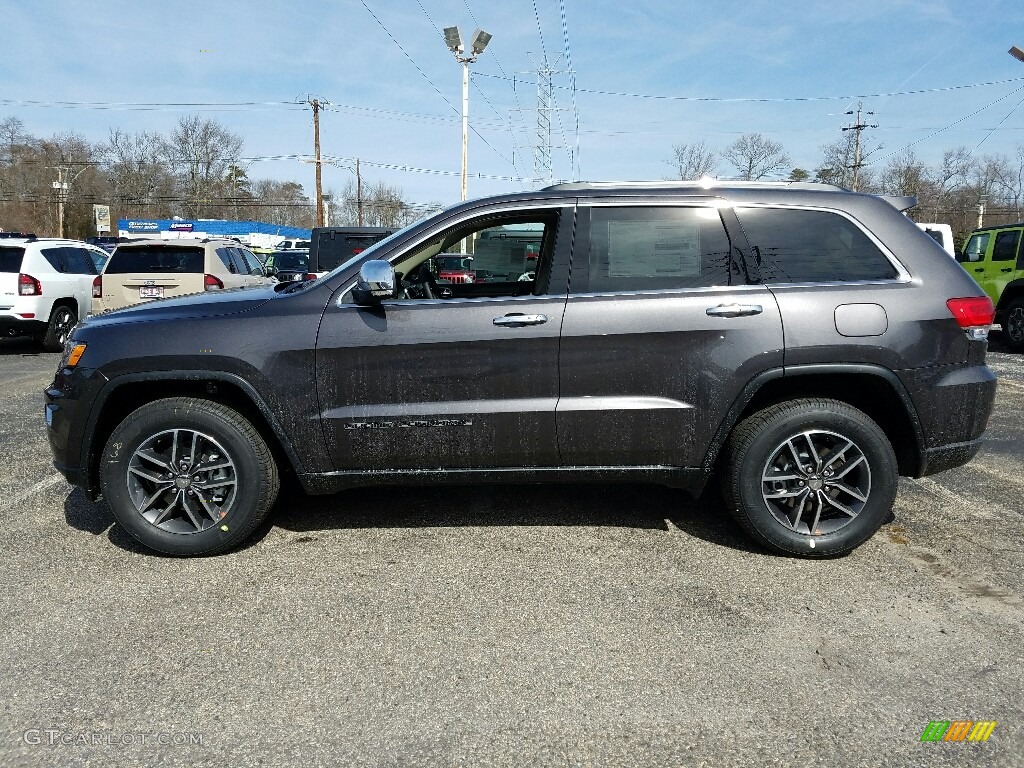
[{"x": 994, "y": 257}]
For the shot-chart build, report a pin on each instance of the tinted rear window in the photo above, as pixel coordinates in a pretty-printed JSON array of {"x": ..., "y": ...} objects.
[
  {"x": 796, "y": 246},
  {"x": 335, "y": 248},
  {"x": 10, "y": 259},
  {"x": 156, "y": 259}
]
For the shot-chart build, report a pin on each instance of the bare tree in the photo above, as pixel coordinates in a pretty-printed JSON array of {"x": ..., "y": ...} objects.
[
  {"x": 755, "y": 156},
  {"x": 838, "y": 160},
  {"x": 141, "y": 179},
  {"x": 383, "y": 206},
  {"x": 693, "y": 161},
  {"x": 282, "y": 202},
  {"x": 904, "y": 174},
  {"x": 201, "y": 152}
]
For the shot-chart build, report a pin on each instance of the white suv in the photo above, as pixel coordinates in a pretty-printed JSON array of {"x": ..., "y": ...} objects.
[{"x": 45, "y": 286}]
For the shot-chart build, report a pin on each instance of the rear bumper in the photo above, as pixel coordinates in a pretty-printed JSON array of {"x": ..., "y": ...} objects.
[
  {"x": 13, "y": 325},
  {"x": 953, "y": 406}
]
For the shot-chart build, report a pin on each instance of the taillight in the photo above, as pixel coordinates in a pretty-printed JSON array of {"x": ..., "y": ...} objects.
[
  {"x": 29, "y": 286},
  {"x": 309, "y": 276},
  {"x": 974, "y": 314},
  {"x": 212, "y": 283},
  {"x": 97, "y": 287}
]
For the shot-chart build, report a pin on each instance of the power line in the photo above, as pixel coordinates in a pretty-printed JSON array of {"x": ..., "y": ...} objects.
[{"x": 781, "y": 99}]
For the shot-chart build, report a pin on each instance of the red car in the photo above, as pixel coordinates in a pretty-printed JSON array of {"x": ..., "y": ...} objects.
[{"x": 455, "y": 268}]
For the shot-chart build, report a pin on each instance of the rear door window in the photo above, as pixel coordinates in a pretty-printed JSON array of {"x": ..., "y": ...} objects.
[
  {"x": 10, "y": 259},
  {"x": 802, "y": 246},
  {"x": 1005, "y": 248},
  {"x": 654, "y": 249},
  {"x": 55, "y": 258},
  {"x": 252, "y": 264},
  {"x": 170, "y": 259},
  {"x": 79, "y": 261}
]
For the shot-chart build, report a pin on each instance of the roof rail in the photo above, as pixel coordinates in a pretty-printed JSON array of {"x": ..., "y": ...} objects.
[{"x": 691, "y": 184}]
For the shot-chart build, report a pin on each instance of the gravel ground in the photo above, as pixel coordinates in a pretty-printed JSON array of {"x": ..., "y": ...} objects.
[{"x": 507, "y": 626}]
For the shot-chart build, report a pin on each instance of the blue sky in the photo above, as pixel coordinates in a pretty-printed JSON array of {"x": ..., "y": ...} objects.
[{"x": 648, "y": 74}]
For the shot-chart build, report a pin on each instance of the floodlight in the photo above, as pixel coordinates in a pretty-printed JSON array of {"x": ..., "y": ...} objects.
[
  {"x": 479, "y": 41},
  {"x": 1017, "y": 53},
  {"x": 453, "y": 39}
]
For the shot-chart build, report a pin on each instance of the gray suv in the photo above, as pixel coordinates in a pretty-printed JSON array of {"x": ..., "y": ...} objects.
[{"x": 804, "y": 344}]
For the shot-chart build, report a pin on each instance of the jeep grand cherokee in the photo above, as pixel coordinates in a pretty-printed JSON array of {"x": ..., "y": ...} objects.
[{"x": 805, "y": 344}]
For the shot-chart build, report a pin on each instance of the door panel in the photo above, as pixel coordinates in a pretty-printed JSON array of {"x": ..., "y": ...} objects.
[
  {"x": 457, "y": 376},
  {"x": 436, "y": 384},
  {"x": 661, "y": 332},
  {"x": 646, "y": 379}
]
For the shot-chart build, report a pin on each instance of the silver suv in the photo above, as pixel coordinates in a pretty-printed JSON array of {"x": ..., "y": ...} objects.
[{"x": 45, "y": 287}]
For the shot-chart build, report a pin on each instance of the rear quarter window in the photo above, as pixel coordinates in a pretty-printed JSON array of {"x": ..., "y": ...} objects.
[
  {"x": 10, "y": 259},
  {"x": 158, "y": 260},
  {"x": 802, "y": 246}
]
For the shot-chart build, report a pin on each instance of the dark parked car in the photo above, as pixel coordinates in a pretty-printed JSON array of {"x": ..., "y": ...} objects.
[
  {"x": 804, "y": 344},
  {"x": 331, "y": 246}
]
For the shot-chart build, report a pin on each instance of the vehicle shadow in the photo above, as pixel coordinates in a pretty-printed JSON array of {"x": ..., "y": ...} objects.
[
  {"x": 23, "y": 346},
  {"x": 619, "y": 505},
  {"x": 95, "y": 517},
  {"x": 616, "y": 506}
]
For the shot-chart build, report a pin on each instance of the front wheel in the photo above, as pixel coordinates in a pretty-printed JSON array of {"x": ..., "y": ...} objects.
[
  {"x": 186, "y": 476},
  {"x": 1013, "y": 326},
  {"x": 812, "y": 478}
]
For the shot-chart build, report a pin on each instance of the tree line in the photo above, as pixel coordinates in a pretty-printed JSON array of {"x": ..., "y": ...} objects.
[
  {"x": 954, "y": 190},
  {"x": 194, "y": 171}
]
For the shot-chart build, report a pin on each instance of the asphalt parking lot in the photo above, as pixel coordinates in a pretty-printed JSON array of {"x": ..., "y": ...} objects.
[{"x": 507, "y": 626}]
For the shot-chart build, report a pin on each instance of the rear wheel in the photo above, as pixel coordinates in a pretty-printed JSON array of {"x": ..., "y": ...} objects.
[
  {"x": 62, "y": 320},
  {"x": 1013, "y": 326},
  {"x": 187, "y": 476},
  {"x": 812, "y": 478}
]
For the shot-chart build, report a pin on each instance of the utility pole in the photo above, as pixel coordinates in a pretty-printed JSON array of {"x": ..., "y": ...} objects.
[
  {"x": 859, "y": 126},
  {"x": 359, "y": 193},
  {"x": 317, "y": 105},
  {"x": 60, "y": 188}
]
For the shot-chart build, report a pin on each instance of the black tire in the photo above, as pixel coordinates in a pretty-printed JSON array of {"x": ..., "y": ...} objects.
[
  {"x": 769, "y": 491},
  {"x": 62, "y": 320},
  {"x": 223, "y": 482},
  {"x": 1013, "y": 326}
]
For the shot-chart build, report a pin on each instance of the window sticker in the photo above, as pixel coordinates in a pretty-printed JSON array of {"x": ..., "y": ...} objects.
[{"x": 653, "y": 249}]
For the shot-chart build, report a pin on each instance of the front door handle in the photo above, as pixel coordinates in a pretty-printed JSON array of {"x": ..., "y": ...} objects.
[
  {"x": 735, "y": 310},
  {"x": 515, "y": 320},
  {"x": 980, "y": 269}
]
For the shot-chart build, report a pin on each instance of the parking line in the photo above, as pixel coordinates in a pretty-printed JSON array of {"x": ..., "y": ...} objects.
[{"x": 42, "y": 485}]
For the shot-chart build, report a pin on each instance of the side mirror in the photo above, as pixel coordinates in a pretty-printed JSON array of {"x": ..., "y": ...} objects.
[{"x": 376, "y": 282}]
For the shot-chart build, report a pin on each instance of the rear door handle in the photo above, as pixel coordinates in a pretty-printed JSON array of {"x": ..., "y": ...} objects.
[
  {"x": 515, "y": 320},
  {"x": 1008, "y": 269},
  {"x": 735, "y": 310}
]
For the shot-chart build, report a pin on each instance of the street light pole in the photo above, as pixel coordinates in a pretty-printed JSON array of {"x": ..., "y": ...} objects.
[
  {"x": 465, "y": 123},
  {"x": 479, "y": 41}
]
